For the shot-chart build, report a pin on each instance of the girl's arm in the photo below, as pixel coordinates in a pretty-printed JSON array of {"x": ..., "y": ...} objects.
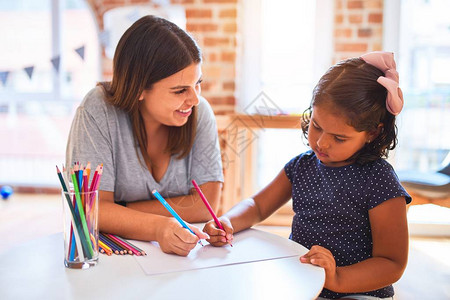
[
  {"x": 390, "y": 253},
  {"x": 251, "y": 211},
  {"x": 133, "y": 224},
  {"x": 190, "y": 207}
]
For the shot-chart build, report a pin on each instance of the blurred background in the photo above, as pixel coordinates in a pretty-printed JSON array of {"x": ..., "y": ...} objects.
[{"x": 54, "y": 51}]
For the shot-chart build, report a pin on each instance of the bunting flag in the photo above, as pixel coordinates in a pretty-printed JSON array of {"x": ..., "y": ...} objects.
[
  {"x": 80, "y": 52},
  {"x": 4, "y": 76},
  {"x": 104, "y": 38},
  {"x": 55, "y": 62},
  {"x": 29, "y": 71}
]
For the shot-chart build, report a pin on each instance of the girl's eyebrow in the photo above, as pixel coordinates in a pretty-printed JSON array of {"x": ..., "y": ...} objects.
[
  {"x": 185, "y": 86},
  {"x": 335, "y": 134}
]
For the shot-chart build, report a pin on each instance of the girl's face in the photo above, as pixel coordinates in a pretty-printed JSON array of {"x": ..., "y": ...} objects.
[
  {"x": 170, "y": 100},
  {"x": 331, "y": 138}
]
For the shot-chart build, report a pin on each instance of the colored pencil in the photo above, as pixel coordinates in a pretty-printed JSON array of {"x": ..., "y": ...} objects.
[
  {"x": 172, "y": 212},
  {"x": 131, "y": 245},
  {"x": 78, "y": 230},
  {"x": 126, "y": 246},
  {"x": 208, "y": 206},
  {"x": 113, "y": 243},
  {"x": 82, "y": 216},
  {"x": 105, "y": 247},
  {"x": 107, "y": 242}
]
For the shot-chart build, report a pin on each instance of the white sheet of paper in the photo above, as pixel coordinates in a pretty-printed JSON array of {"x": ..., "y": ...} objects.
[{"x": 248, "y": 246}]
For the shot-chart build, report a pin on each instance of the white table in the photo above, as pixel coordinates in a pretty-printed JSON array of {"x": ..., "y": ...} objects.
[{"x": 35, "y": 270}]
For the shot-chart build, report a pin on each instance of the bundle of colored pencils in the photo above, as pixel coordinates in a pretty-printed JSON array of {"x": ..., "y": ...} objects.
[
  {"x": 83, "y": 229},
  {"x": 110, "y": 243}
]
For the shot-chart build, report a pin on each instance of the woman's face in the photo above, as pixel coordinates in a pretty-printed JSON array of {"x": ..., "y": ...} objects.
[
  {"x": 170, "y": 100},
  {"x": 331, "y": 138}
]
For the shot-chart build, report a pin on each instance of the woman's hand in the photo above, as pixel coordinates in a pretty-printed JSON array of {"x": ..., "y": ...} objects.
[
  {"x": 218, "y": 237},
  {"x": 322, "y": 257},
  {"x": 173, "y": 238}
]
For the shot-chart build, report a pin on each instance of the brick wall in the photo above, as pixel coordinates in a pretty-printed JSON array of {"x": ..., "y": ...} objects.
[
  {"x": 213, "y": 23},
  {"x": 358, "y": 27}
]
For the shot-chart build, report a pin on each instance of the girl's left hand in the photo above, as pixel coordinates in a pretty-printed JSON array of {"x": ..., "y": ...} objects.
[{"x": 322, "y": 257}]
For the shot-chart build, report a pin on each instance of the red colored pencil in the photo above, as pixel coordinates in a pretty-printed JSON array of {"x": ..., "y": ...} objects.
[{"x": 199, "y": 191}]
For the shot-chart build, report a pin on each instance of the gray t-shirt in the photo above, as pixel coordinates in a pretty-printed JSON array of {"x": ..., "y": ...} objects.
[{"x": 102, "y": 133}]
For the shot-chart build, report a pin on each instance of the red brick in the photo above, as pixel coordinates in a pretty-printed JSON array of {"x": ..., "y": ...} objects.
[
  {"x": 351, "y": 47},
  {"x": 338, "y": 19},
  {"x": 213, "y": 41},
  {"x": 202, "y": 27},
  {"x": 228, "y": 56},
  {"x": 198, "y": 13},
  {"x": 376, "y": 18},
  {"x": 355, "y": 4},
  {"x": 374, "y": 4},
  {"x": 228, "y": 13},
  {"x": 364, "y": 32},
  {"x": 222, "y": 100},
  {"x": 345, "y": 32},
  {"x": 355, "y": 19},
  {"x": 230, "y": 27},
  {"x": 228, "y": 86}
]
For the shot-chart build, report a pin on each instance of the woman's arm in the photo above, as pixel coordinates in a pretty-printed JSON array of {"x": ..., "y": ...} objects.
[
  {"x": 251, "y": 211},
  {"x": 390, "y": 253},
  {"x": 190, "y": 207}
]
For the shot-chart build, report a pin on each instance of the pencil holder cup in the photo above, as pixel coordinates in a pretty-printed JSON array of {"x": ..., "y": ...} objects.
[{"x": 80, "y": 217}]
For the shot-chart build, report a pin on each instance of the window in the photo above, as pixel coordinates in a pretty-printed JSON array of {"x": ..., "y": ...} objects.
[
  {"x": 49, "y": 60},
  {"x": 284, "y": 56},
  {"x": 421, "y": 38}
]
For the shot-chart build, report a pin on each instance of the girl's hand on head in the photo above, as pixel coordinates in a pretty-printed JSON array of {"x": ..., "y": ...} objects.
[
  {"x": 219, "y": 237},
  {"x": 173, "y": 238},
  {"x": 322, "y": 257}
]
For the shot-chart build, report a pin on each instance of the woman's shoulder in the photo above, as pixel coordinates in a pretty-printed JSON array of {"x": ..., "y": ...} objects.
[
  {"x": 95, "y": 100},
  {"x": 95, "y": 103}
]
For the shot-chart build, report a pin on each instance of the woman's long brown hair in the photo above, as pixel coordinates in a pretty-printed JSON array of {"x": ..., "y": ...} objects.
[{"x": 150, "y": 50}]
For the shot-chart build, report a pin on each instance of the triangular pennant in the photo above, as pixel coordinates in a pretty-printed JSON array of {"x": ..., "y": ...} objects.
[
  {"x": 133, "y": 16},
  {"x": 80, "y": 52},
  {"x": 4, "y": 76},
  {"x": 55, "y": 62},
  {"x": 29, "y": 71},
  {"x": 104, "y": 38}
]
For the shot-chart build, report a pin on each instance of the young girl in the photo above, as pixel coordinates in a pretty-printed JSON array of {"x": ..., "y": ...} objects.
[{"x": 350, "y": 208}]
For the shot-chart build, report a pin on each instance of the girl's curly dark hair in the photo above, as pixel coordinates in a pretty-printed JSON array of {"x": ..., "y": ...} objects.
[{"x": 351, "y": 86}]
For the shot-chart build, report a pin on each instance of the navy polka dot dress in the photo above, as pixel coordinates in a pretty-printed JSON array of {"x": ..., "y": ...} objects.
[{"x": 332, "y": 204}]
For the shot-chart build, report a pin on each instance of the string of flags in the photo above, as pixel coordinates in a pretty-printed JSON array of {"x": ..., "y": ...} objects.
[
  {"x": 30, "y": 69},
  {"x": 104, "y": 39}
]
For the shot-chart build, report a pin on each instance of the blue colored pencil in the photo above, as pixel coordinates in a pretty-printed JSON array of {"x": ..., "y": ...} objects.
[{"x": 172, "y": 212}]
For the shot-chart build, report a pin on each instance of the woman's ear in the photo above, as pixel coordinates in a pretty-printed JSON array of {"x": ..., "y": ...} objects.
[{"x": 141, "y": 97}]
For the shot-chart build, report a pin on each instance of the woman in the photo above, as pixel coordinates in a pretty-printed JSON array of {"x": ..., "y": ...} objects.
[{"x": 151, "y": 130}]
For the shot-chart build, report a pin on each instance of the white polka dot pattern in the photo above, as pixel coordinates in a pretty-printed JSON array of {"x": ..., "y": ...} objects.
[{"x": 332, "y": 204}]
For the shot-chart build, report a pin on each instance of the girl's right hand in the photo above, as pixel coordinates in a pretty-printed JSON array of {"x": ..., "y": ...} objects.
[
  {"x": 219, "y": 237},
  {"x": 173, "y": 238}
]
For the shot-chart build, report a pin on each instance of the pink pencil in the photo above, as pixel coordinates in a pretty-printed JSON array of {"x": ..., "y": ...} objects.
[{"x": 199, "y": 191}]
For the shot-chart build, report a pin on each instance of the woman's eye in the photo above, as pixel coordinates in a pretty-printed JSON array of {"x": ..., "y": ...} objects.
[
  {"x": 339, "y": 140},
  {"x": 180, "y": 91},
  {"x": 315, "y": 126}
]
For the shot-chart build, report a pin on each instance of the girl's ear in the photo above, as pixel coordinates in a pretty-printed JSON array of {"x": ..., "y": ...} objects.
[
  {"x": 375, "y": 133},
  {"x": 141, "y": 97}
]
